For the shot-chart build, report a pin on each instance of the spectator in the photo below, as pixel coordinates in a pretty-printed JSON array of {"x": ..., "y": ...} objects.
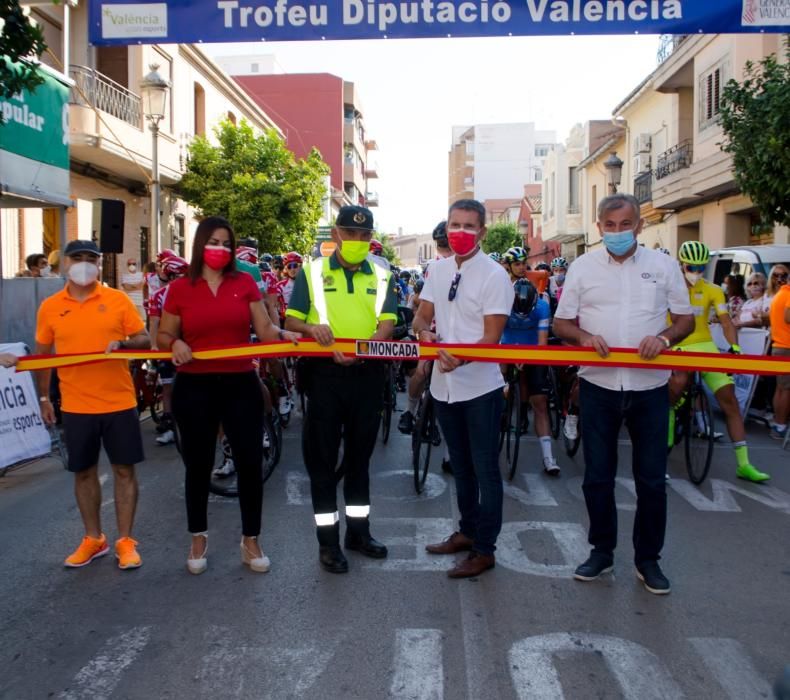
[
  {"x": 780, "y": 346},
  {"x": 776, "y": 278},
  {"x": 132, "y": 283},
  {"x": 750, "y": 314},
  {"x": 36, "y": 265},
  {"x": 54, "y": 263},
  {"x": 215, "y": 305},
  {"x": 736, "y": 295},
  {"x": 619, "y": 296}
]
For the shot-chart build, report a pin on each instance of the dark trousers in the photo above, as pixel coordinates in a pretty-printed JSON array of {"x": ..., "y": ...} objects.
[
  {"x": 341, "y": 402},
  {"x": 201, "y": 402},
  {"x": 646, "y": 416},
  {"x": 471, "y": 429}
]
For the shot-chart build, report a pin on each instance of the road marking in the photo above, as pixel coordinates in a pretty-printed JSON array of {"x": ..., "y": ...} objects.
[
  {"x": 639, "y": 673},
  {"x": 731, "y": 667},
  {"x": 571, "y": 538},
  {"x": 422, "y": 531},
  {"x": 435, "y": 486},
  {"x": 419, "y": 671},
  {"x": 537, "y": 493},
  {"x": 98, "y": 679},
  {"x": 297, "y": 489},
  {"x": 722, "y": 500},
  {"x": 574, "y": 485}
]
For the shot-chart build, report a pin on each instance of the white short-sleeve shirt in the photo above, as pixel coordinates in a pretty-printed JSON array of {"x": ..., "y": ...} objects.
[
  {"x": 623, "y": 303},
  {"x": 484, "y": 289}
]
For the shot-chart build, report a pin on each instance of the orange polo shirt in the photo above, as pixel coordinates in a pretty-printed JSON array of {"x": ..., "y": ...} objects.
[
  {"x": 90, "y": 326},
  {"x": 780, "y": 329}
]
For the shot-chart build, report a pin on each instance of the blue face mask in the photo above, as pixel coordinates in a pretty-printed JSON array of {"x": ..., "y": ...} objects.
[{"x": 619, "y": 243}]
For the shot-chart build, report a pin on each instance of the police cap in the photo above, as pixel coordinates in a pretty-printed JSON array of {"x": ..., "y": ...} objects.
[{"x": 355, "y": 217}]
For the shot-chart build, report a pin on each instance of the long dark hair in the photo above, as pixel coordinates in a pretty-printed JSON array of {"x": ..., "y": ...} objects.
[{"x": 204, "y": 232}]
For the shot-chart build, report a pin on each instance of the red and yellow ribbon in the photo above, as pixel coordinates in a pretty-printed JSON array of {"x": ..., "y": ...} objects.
[{"x": 504, "y": 354}]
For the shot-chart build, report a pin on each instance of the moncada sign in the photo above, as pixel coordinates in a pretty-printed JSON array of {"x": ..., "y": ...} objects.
[{"x": 117, "y": 22}]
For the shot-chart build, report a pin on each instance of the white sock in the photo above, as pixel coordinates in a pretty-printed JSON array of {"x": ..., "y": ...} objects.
[
  {"x": 412, "y": 405},
  {"x": 545, "y": 447}
]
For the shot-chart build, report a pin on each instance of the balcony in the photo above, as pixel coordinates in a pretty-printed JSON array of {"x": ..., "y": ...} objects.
[
  {"x": 371, "y": 172},
  {"x": 643, "y": 187},
  {"x": 672, "y": 189},
  {"x": 91, "y": 88},
  {"x": 668, "y": 44},
  {"x": 372, "y": 199}
]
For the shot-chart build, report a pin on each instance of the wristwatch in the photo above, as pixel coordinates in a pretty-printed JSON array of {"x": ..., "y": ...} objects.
[{"x": 665, "y": 340}]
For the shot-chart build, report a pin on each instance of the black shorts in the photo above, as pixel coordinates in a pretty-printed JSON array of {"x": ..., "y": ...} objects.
[
  {"x": 119, "y": 432},
  {"x": 537, "y": 377},
  {"x": 167, "y": 371}
]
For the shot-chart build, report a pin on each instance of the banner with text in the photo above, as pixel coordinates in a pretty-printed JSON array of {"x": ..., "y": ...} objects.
[
  {"x": 194, "y": 21},
  {"x": 23, "y": 434}
]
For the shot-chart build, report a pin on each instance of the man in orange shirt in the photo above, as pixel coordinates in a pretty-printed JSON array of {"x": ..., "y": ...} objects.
[
  {"x": 780, "y": 346},
  {"x": 98, "y": 400}
]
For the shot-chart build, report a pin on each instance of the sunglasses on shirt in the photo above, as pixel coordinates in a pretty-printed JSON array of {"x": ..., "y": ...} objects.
[
  {"x": 695, "y": 268},
  {"x": 454, "y": 286},
  {"x": 294, "y": 266}
]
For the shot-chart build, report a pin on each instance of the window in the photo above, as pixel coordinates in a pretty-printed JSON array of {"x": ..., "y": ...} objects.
[
  {"x": 200, "y": 111},
  {"x": 538, "y": 175},
  {"x": 255, "y": 68},
  {"x": 573, "y": 191},
  {"x": 710, "y": 87},
  {"x": 594, "y": 202},
  {"x": 470, "y": 148},
  {"x": 232, "y": 118},
  {"x": 542, "y": 149}
]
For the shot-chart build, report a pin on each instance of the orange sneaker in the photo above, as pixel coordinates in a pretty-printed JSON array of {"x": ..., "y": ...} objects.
[
  {"x": 126, "y": 553},
  {"x": 90, "y": 548}
]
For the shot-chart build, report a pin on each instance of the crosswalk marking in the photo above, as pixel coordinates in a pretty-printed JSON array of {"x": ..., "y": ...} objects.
[
  {"x": 97, "y": 680},
  {"x": 419, "y": 671},
  {"x": 731, "y": 667}
]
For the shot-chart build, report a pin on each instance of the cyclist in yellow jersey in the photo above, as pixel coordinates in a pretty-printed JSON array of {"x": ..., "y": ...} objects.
[{"x": 704, "y": 296}]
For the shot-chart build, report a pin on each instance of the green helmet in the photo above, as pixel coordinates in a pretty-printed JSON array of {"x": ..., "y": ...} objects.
[{"x": 694, "y": 253}]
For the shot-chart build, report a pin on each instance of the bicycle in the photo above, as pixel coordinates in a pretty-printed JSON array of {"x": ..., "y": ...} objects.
[
  {"x": 555, "y": 402},
  {"x": 425, "y": 435},
  {"x": 694, "y": 408},
  {"x": 147, "y": 387},
  {"x": 390, "y": 401},
  {"x": 512, "y": 419},
  {"x": 569, "y": 378}
]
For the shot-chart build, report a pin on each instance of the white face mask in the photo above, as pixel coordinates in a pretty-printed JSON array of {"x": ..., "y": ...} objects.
[
  {"x": 693, "y": 277},
  {"x": 84, "y": 273},
  {"x": 132, "y": 268},
  {"x": 46, "y": 271}
]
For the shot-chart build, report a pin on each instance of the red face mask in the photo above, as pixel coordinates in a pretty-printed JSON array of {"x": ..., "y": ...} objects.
[
  {"x": 216, "y": 256},
  {"x": 462, "y": 242}
]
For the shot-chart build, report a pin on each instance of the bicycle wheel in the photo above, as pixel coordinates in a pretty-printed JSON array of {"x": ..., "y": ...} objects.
[
  {"x": 555, "y": 403},
  {"x": 422, "y": 439},
  {"x": 572, "y": 446},
  {"x": 389, "y": 403},
  {"x": 272, "y": 446},
  {"x": 504, "y": 427},
  {"x": 226, "y": 486},
  {"x": 698, "y": 439},
  {"x": 513, "y": 439}
]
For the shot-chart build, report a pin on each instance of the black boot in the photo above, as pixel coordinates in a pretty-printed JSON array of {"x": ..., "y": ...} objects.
[
  {"x": 330, "y": 555},
  {"x": 358, "y": 539}
]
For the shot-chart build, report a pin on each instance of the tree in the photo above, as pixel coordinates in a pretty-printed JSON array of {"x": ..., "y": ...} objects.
[
  {"x": 389, "y": 251},
  {"x": 258, "y": 185},
  {"x": 20, "y": 41},
  {"x": 502, "y": 236},
  {"x": 754, "y": 116}
]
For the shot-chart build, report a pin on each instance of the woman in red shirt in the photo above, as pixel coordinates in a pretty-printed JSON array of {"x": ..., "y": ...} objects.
[{"x": 215, "y": 305}]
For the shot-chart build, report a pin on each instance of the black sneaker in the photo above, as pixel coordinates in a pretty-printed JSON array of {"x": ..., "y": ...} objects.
[
  {"x": 406, "y": 423},
  {"x": 650, "y": 574},
  {"x": 597, "y": 564}
]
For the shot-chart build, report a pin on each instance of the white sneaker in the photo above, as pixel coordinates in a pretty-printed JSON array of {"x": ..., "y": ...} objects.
[
  {"x": 571, "y": 427},
  {"x": 166, "y": 438},
  {"x": 267, "y": 443},
  {"x": 550, "y": 466},
  {"x": 226, "y": 468},
  {"x": 285, "y": 405}
]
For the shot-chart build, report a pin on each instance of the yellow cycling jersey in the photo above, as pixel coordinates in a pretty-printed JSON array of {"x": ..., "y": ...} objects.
[{"x": 703, "y": 297}]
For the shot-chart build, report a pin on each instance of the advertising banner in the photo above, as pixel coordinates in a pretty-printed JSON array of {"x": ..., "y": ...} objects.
[
  {"x": 194, "y": 21},
  {"x": 23, "y": 434}
]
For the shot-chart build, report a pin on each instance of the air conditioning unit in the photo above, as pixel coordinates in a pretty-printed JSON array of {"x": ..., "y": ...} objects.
[
  {"x": 642, "y": 143},
  {"x": 641, "y": 163}
]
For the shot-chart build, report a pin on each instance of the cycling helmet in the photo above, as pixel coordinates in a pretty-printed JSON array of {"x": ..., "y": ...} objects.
[
  {"x": 543, "y": 266},
  {"x": 496, "y": 257},
  {"x": 292, "y": 257},
  {"x": 559, "y": 262},
  {"x": 263, "y": 266},
  {"x": 375, "y": 247},
  {"x": 247, "y": 254},
  {"x": 174, "y": 266},
  {"x": 526, "y": 297},
  {"x": 515, "y": 254},
  {"x": 440, "y": 235},
  {"x": 267, "y": 257},
  {"x": 277, "y": 262},
  {"x": 665, "y": 251},
  {"x": 404, "y": 275},
  {"x": 694, "y": 253},
  {"x": 418, "y": 285},
  {"x": 165, "y": 254}
]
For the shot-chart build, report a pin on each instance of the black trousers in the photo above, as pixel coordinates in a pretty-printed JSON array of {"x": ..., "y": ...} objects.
[
  {"x": 342, "y": 402},
  {"x": 201, "y": 402}
]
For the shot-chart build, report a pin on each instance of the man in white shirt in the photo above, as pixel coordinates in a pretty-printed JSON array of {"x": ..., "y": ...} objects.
[
  {"x": 470, "y": 296},
  {"x": 618, "y": 296},
  {"x": 132, "y": 283}
]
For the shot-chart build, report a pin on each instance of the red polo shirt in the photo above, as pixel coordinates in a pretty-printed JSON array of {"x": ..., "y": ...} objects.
[{"x": 209, "y": 320}]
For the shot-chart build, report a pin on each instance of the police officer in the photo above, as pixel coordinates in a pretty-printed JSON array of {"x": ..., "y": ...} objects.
[{"x": 343, "y": 296}]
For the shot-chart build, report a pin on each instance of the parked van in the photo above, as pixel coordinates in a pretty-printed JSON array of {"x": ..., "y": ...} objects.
[{"x": 743, "y": 260}]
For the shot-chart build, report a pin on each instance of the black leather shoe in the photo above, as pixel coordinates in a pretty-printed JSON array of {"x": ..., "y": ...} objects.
[
  {"x": 597, "y": 564},
  {"x": 366, "y": 545},
  {"x": 333, "y": 560}
]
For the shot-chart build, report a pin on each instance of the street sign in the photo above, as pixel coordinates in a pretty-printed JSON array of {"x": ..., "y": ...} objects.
[{"x": 184, "y": 21}]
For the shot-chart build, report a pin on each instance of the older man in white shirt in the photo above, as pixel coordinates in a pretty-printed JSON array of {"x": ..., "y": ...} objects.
[
  {"x": 470, "y": 296},
  {"x": 619, "y": 296}
]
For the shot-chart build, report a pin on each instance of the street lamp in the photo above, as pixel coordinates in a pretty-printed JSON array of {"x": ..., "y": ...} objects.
[
  {"x": 154, "y": 89},
  {"x": 614, "y": 171}
]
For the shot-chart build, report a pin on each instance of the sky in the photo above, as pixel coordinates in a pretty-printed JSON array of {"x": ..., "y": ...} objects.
[{"x": 413, "y": 91}]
